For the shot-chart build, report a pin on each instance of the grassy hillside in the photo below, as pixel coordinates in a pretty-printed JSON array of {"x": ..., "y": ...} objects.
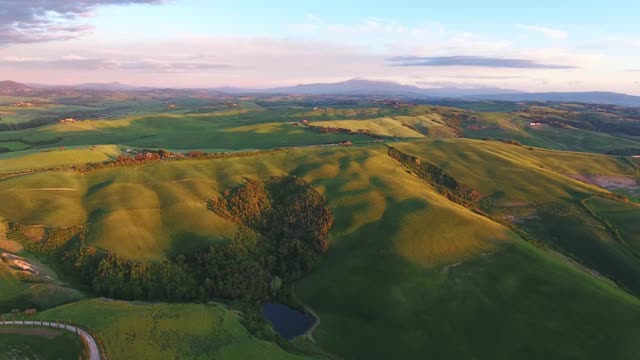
[
  {"x": 531, "y": 192},
  {"x": 419, "y": 266},
  {"x": 36, "y": 159},
  {"x": 226, "y": 130},
  {"x": 462, "y": 249},
  {"x": 148, "y": 212},
  {"x": 623, "y": 218},
  {"x": 384, "y": 126},
  {"x": 38, "y": 344},
  {"x": 21, "y": 289},
  {"x": 166, "y": 331},
  {"x": 512, "y": 126}
]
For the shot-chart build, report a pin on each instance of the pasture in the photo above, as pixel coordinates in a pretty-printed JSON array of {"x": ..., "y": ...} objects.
[
  {"x": 34, "y": 343},
  {"x": 164, "y": 331},
  {"x": 408, "y": 272}
]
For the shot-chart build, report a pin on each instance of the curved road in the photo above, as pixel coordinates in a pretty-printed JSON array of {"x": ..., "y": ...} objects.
[{"x": 94, "y": 353}]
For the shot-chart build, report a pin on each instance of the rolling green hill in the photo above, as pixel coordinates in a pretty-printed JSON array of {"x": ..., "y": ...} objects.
[
  {"x": 166, "y": 331},
  {"x": 441, "y": 245}
]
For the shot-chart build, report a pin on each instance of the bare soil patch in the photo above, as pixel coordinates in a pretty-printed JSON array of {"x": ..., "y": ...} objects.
[
  {"x": 10, "y": 246},
  {"x": 609, "y": 182}
]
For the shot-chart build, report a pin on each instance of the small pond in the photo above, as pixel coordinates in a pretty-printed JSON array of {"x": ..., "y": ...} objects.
[{"x": 287, "y": 322}]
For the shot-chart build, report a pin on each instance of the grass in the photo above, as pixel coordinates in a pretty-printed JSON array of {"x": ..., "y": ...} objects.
[
  {"x": 166, "y": 331},
  {"x": 16, "y": 115},
  {"x": 395, "y": 237},
  {"x": 408, "y": 272},
  {"x": 151, "y": 211},
  {"x": 509, "y": 126},
  {"x": 225, "y": 130},
  {"x": 13, "y": 145},
  {"x": 529, "y": 188},
  {"x": 17, "y": 292},
  {"x": 34, "y": 159},
  {"x": 516, "y": 302},
  {"x": 9, "y": 285},
  {"x": 38, "y": 344},
  {"x": 383, "y": 126},
  {"x": 623, "y": 217}
]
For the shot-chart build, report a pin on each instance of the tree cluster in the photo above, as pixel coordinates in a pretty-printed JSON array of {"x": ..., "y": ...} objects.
[
  {"x": 446, "y": 184},
  {"x": 283, "y": 222}
]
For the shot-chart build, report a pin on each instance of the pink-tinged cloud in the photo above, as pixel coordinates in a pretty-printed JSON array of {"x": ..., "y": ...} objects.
[{"x": 32, "y": 21}]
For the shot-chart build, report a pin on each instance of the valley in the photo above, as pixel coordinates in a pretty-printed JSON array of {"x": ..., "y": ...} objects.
[{"x": 403, "y": 230}]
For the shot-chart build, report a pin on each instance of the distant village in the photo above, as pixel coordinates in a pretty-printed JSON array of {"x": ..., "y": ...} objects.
[
  {"x": 22, "y": 104},
  {"x": 67, "y": 120}
]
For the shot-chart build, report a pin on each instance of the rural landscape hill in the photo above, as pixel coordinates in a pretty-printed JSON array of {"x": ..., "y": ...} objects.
[
  {"x": 319, "y": 180},
  {"x": 164, "y": 209},
  {"x": 581, "y": 97},
  {"x": 362, "y": 87}
]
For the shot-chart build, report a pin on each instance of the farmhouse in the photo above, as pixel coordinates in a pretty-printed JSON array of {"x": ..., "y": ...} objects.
[
  {"x": 67, "y": 120},
  {"x": 305, "y": 121},
  {"x": 535, "y": 124},
  {"x": 22, "y": 104}
]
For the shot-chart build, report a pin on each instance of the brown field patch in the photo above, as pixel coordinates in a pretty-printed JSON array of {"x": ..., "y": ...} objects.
[
  {"x": 608, "y": 182},
  {"x": 10, "y": 246}
]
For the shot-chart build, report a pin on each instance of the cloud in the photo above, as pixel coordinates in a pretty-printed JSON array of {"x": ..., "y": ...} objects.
[
  {"x": 366, "y": 26},
  {"x": 30, "y": 21},
  {"x": 75, "y": 62},
  {"x": 553, "y": 34},
  {"x": 452, "y": 84},
  {"x": 473, "y": 61}
]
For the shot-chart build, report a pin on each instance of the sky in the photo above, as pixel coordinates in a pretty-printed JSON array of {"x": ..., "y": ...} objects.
[{"x": 532, "y": 46}]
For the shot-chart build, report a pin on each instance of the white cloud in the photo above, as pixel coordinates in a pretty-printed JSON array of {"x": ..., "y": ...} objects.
[
  {"x": 553, "y": 34},
  {"x": 22, "y": 59}
]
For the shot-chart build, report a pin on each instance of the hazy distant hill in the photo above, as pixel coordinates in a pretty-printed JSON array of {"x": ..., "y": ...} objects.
[
  {"x": 112, "y": 86},
  {"x": 584, "y": 97},
  {"x": 360, "y": 87},
  {"x": 370, "y": 87},
  {"x": 12, "y": 86}
]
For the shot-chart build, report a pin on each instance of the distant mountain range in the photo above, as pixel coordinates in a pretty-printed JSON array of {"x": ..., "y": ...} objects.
[
  {"x": 13, "y": 86},
  {"x": 595, "y": 97},
  {"x": 360, "y": 87},
  {"x": 112, "y": 86},
  {"x": 386, "y": 88},
  {"x": 369, "y": 87}
]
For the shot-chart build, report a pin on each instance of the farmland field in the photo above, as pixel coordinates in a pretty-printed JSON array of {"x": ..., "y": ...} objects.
[
  {"x": 449, "y": 231},
  {"x": 30, "y": 343},
  {"x": 162, "y": 331}
]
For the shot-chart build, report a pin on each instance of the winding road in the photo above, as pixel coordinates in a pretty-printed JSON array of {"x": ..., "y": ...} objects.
[{"x": 94, "y": 353}]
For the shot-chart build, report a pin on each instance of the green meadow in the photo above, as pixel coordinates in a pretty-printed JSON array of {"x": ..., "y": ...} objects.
[
  {"x": 544, "y": 264},
  {"x": 31, "y": 343},
  {"x": 167, "y": 331}
]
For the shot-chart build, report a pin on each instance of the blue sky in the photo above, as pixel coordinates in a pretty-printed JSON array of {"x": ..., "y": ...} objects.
[{"x": 535, "y": 46}]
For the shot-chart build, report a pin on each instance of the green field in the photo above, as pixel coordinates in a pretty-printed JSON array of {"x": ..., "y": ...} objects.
[
  {"x": 54, "y": 157},
  {"x": 539, "y": 265},
  {"x": 226, "y": 130},
  {"x": 9, "y": 285},
  {"x": 151, "y": 211},
  {"x": 510, "y": 126},
  {"x": 15, "y": 115},
  {"x": 623, "y": 217},
  {"x": 166, "y": 331},
  {"x": 32, "y": 343}
]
